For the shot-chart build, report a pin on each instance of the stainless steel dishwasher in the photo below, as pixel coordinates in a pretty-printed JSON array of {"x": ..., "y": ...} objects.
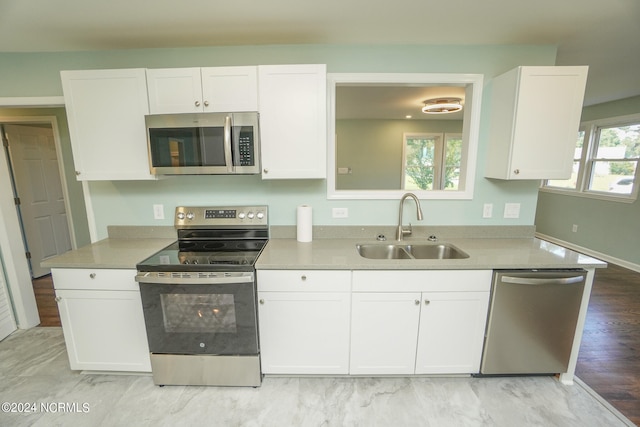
[{"x": 532, "y": 321}]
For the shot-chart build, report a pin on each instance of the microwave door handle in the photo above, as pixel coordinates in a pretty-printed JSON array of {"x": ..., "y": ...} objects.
[{"x": 228, "y": 158}]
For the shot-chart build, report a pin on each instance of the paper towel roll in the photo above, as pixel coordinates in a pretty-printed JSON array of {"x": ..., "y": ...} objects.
[{"x": 305, "y": 223}]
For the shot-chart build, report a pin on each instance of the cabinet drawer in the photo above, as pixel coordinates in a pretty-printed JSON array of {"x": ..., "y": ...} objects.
[
  {"x": 422, "y": 280},
  {"x": 95, "y": 279},
  {"x": 304, "y": 280}
]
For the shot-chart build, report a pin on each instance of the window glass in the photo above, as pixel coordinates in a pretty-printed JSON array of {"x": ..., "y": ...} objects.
[
  {"x": 606, "y": 160},
  {"x": 453, "y": 159},
  {"x": 615, "y": 162},
  {"x": 421, "y": 158}
]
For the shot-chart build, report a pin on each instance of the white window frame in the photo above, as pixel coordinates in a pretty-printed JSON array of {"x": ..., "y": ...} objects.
[{"x": 589, "y": 151}]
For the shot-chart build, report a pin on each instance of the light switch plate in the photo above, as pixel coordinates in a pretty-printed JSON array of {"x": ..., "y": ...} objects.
[
  {"x": 512, "y": 210},
  {"x": 158, "y": 211},
  {"x": 487, "y": 210}
]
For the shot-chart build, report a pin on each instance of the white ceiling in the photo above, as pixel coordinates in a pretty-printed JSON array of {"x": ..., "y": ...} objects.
[{"x": 604, "y": 34}]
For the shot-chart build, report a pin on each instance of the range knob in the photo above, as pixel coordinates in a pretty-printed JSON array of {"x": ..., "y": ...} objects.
[
  {"x": 190, "y": 215},
  {"x": 250, "y": 215},
  {"x": 242, "y": 215},
  {"x": 180, "y": 215},
  {"x": 260, "y": 215}
]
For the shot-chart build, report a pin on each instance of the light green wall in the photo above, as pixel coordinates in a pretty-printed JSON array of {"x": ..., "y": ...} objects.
[
  {"x": 611, "y": 228},
  {"x": 74, "y": 188},
  {"x": 373, "y": 150},
  {"x": 37, "y": 74}
]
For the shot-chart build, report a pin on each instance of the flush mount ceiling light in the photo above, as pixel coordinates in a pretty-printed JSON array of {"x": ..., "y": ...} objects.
[{"x": 442, "y": 105}]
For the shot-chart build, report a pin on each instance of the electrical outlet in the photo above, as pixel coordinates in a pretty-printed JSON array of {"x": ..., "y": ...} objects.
[
  {"x": 340, "y": 212},
  {"x": 574, "y": 228},
  {"x": 487, "y": 210},
  {"x": 158, "y": 211}
]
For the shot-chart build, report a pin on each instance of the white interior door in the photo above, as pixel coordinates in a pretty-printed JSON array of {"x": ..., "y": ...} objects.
[
  {"x": 37, "y": 178},
  {"x": 7, "y": 322}
]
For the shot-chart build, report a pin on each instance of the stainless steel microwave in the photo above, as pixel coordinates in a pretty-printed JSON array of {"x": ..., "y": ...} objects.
[{"x": 203, "y": 143}]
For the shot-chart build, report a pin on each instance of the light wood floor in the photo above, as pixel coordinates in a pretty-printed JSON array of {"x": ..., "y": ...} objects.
[{"x": 609, "y": 358}]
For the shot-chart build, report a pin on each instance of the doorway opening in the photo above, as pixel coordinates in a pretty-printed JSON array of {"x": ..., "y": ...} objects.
[{"x": 39, "y": 196}]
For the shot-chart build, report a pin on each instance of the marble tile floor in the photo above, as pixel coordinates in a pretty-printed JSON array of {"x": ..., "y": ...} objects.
[{"x": 34, "y": 369}]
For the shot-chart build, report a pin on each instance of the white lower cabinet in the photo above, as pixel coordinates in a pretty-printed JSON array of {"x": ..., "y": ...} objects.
[
  {"x": 418, "y": 322},
  {"x": 304, "y": 321},
  {"x": 384, "y": 327},
  {"x": 451, "y": 332},
  {"x": 102, "y": 319}
]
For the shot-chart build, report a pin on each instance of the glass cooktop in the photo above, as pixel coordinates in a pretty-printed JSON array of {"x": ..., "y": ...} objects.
[{"x": 233, "y": 255}]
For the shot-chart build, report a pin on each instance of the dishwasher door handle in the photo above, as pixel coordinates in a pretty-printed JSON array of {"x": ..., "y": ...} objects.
[{"x": 545, "y": 281}]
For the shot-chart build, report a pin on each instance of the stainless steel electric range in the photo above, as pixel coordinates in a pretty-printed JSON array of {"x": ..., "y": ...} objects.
[{"x": 199, "y": 298}]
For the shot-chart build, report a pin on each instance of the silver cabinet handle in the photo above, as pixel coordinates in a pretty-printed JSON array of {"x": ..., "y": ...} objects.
[
  {"x": 227, "y": 144},
  {"x": 58, "y": 299},
  {"x": 303, "y": 277},
  {"x": 545, "y": 281},
  {"x": 265, "y": 170},
  {"x": 261, "y": 301},
  {"x": 417, "y": 302},
  {"x": 92, "y": 275},
  {"x": 197, "y": 103},
  {"x": 206, "y": 103},
  {"x": 78, "y": 173},
  {"x": 427, "y": 302},
  {"x": 516, "y": 172}
]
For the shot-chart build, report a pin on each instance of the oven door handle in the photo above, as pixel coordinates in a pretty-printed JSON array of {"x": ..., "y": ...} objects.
[{"x": 147, "y": 277}]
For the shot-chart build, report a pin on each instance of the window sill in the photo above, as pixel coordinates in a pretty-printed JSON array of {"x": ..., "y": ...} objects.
[{"x": 591, "y": 195}]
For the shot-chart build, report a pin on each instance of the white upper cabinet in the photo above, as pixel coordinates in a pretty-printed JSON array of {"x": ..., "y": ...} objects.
[
  {"x": 105, "y": 110},
  {"x": 197, "y": 90},
  {"x": 293, "y": 120},
  {"x": 535, "y": 115}
]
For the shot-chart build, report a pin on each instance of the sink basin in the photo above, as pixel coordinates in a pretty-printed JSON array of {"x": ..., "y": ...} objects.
[
  {"x": 436, "y": 251},
  {"x": 383, "y": 251},
  {"x": 410, "y": 251}
]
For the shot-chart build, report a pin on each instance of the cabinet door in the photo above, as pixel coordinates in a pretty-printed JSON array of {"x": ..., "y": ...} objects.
[
  {"x": 293, "y": 121},
  {"x": 106, "y": 110},
  {"x": 174, "y": 90},
  {"x": 451, "y": 332},
  {"x": 535, "y": 114},
  {"x": 230, "y": 89},
  {"x": 384, "y": 327},
  {"x": 104, "y": 330},
  {"x": 304, "y": 332}
]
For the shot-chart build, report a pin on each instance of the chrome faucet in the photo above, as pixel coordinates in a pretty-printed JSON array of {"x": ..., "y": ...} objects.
[{"x": 401, "y": 230}]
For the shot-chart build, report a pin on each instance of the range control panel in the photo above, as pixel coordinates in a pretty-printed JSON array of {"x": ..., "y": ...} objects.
[{"x": 221, "y": 216}]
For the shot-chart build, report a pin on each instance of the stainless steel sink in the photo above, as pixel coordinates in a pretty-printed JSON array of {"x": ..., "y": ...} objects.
[
  {"x": 436, "y": 251},
  {"x": 410, "y": 251}
]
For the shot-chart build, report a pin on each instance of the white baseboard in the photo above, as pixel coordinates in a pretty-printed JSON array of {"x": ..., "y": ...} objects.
[{"x": 591, "y": 252}]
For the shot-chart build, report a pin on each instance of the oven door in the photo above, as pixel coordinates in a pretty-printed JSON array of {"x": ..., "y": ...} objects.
[{"x": 214, "y": 315}]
